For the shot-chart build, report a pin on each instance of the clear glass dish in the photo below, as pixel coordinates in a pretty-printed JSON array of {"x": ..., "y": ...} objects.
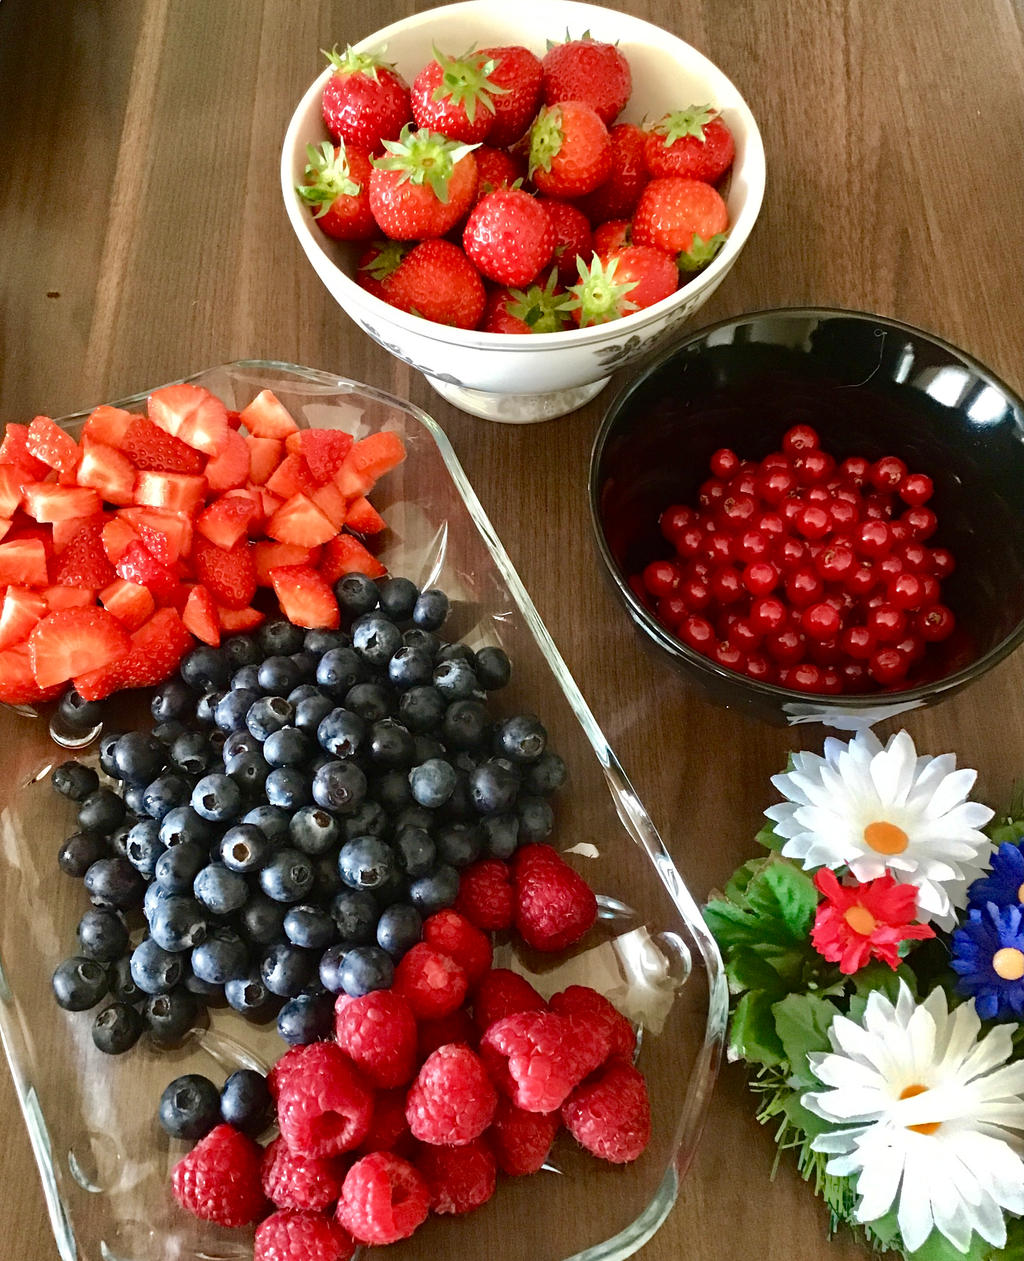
[{"x": 103, "y": 1160}]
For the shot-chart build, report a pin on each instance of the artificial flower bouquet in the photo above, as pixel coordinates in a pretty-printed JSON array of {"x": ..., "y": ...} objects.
[{"x": 875, "y": 957}]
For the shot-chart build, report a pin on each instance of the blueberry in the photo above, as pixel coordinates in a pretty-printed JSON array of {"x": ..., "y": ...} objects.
[
  {"x": 455, "y": 680},
  {"x": 338, "y": 670},
  {"x": 397, "y": 597},
  {"x": 326, "y": 881},
  {"x": 206, "y": 669},
  {"x": 102, "y": 934},
  {"x": 246, "y": 679},
  {"x": 155, "y": 970},
  {"x": 114, "y": 882},
  {"x": 79, "y": 983},
  {"x": 117, "y": 1028},
  {"x": 211, "y": 995},
  {"x": 391, "y": 745},
  {"x": 288, "y": 787},
  {"x": 310, "y": 927},
  {"x": 189, "y": 1107},
  {"x": 366, "y": 862},
  {"x": 138, "y": 758},
  {"x": 546, "y": 775},
  {"x": 410, "y": 667},
  {"x": 339, "y": 786},
  {"x": 155, "y": 895},
  {"x": 375, "y": 638},
  {"x": 320, "y": 640},
  {"x": 267, "y": 715},
  {"x": 248, "y": 995},
  {"x": 78, "y": 716},
  {"x": 206, "y": 708},
  {"x": 238, "y": 743},
  {"x": 366, "y": 968},
  {"x": 164, "y": 793},
  {"x": 245, "y": 1101},
  {"x": 167, "y": 732},
  {"x": 106, "y": 751},
  {"x": 371, "y": 701},
  {"x": 493, "y": 787},
  {"x": 232, "y": 708},
  {"x": 500, "y": 835},
  {"x": 465, "y": 725},
  {"x": 172, "y": 699},
  {"x": 421, "y": 708},
  {"x": 306, "y": 663},
  {"x": 122, "y": 987},
  {"x": 431, "y": 609},
  {"x": 493, "y": 668},
  {"x": 262, "y": 919},
  {"x": 432, "y": 782},
  {"x": 272, "y": 821},
  {"x": 459, "y": 806},
  {"x": 416, "y": 851},
  {"x": 244, "y": 848},
  {"x": 457, "y": 652},
  {"x": 279, "y": 637},
  {"x": 101, "y": 811},
  {"x": 418, "y": 637},
  {"x": 304, "y": 1019},
  {"x": 330, "y": 967},
  {"x": 314, "y": 830},
  {"x": 287, "y": 747},
  {"x": 249, "y": 771},
  {"x": 220, "y": 889},
  {"x": 182, "y": 826},
  {"x": 356, "y": 594},
  {"x": 279, "y": 675},
  {"x": 242, "y": 650},
  {"x": 176, "y": 868},
  {"x": 79, "y": 851},
  {"x": 458, "y": 844},
  {"x": 217, "y": 798},
  {"x": 310, "y": 711},
  {"x": 286, "y": 969},
  {"x": 178, "y": 923},
  {"x": 342, "y": 733},
  {"x": 425, "y": 747},
  {"x": 355, "y": 913},
  {"x": 368, "y": 819},
  {"x": 536, "y": 818},
  {"x": 435, "y": 891},
  {"x": 399, "y": 928},
  {"x": 392, "y": 791},
  {"x": 287, "y": 877},
  {"x": 222, "y": 957},
  {"x": 414, "y": 817},
  {"x": 135, "y": 798},
  {"x": 169, "y": 1017},
  {"x": 522, "y": 738}
]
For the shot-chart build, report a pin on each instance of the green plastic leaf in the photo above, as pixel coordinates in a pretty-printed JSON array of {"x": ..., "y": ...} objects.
[
  {"x": 938, "y": 1248},
  {"x": 752, "y": 1035},
  {"x": 879, "y": 976},
  {"x": 747, "y": 970},
  {"x": 801, "y": 1023},
  {"x": 770, "y": 839},
  {"x": 736, "y": 889},
  {"x": 735, "y": 926},
  {"x": 782, "y": 891},
  {"x": 803, "y": 1119}
]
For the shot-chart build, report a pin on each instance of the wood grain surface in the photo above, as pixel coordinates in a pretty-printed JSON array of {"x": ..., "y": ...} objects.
[{"x": 143, "y": 238}]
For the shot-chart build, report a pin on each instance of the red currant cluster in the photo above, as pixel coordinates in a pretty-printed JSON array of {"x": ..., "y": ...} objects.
[{"x": 805, "y": 572}]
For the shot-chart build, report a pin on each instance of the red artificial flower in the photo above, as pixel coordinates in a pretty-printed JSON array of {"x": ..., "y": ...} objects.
[{"x": 860, "y": 922}]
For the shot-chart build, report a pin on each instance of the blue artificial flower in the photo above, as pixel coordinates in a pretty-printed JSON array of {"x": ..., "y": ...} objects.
[
  {"x": 1005, "y": 883},
  {"x": 988, "y": 954}
]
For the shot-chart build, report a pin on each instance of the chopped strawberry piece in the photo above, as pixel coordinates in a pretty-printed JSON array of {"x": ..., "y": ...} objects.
[
  {"x": 325, "y": 451},
  {"x": 269, "y": 555},
  {"x": 117, "y": 534},
  {"x": 53, "y": 445},
  {"x": 363, "y": 517},
  {"x": 175, "y": 527},
  {"x": 271, "y": 503},
  {"x": 58, "y": 598},
  {"x": 62, "y": 532},
  {"x": 5, "y": 526},
  {"x": 14, "y": 450},
  {"x": 155, "y": 651},
  {"x": 292, "y": 477},
  {"x": 370, "y": 458},
  {"x": 23, "y": 563},
  {"x": 45, "y": 502},
  {"x": 230, "y": 468},
  {"x": 107, "y": 471},
  {"x": 332, "y": 503},
  {"x": 13, "y": 479},
  {"x": 138, "y": 564},
  {"x": 192, "y": 414},
  {"x": 107, "y": 425},
  {"x": 18, "y": 684},
  {"x": 22, "y": 608},
  {"x": 264, "y": 457},
  {"x": 73, "y": 642},
  {"x": 226, "y": 520},
  {"x": 238, "y": 621},
  {"x": 301, "y": 522},
  {"x": 305, "y": 597},
  {"x": 266, "y": 417},
  {"x": 83, "y": 562},
  {"x": 176, "y": 492},
  {"x": 234, "y": 419},
  {"x": 153, "y": 450},
  {"x": 200, "y": 616},
  {"x": 344, "y": 554},
  {"x": 129, "y": 602},
  {"x": 230, "y": 574}
]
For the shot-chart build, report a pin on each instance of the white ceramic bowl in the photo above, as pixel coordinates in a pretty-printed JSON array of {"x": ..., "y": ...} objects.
[{"x": 529, "y": 378}]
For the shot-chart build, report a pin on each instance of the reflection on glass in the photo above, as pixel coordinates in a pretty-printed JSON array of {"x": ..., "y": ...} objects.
[
  {"x": 988, "y": 407},
  {"x": 945, "y": 385},
  {"x": 903, "y": 365}
]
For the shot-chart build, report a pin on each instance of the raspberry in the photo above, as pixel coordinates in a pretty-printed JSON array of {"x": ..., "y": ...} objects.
[
  {"x": 486, "y": 896},
  {"x": 455, "y": 936},
  {"x": 522, "y": 1140},
  {"x": 456, "y": 1027},
  {"x": 460, "y": 1178},
  {"x": 452, "y": 1099},
  {"x": 554, "y": 904},
  {"x": 383, "y": 1199},
  {"x": 610, "y": 1115},
  {"x": 301, "y": 1236},
  {"x": 502, "y": 993},
  {"x": 578, "y": 1000},
  {"x": 280, "y": 1070},
  {"x": 389, "y": 1127},
  {"x": 537, "y": 1057},
  {"x": 432, "y": 982},
  {"x": 219, "y": 1180},
  {"x": 378, "y": 1033},
  {"x": 291, "y": 1181},
  {"x": 323, "y": 1106}
]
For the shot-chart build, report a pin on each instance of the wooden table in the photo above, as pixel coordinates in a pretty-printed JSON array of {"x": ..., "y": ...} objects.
[{"x": 143, "y": 239}]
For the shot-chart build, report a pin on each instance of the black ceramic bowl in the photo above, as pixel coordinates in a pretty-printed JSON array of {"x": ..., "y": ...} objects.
[{"x": 871, "y": 387}]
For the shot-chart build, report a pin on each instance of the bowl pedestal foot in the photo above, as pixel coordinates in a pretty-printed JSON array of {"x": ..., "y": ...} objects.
[{"x": 517, "y": 409}]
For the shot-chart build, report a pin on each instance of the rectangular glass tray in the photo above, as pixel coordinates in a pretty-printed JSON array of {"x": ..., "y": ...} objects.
[{"x": 91, "y": 1118}]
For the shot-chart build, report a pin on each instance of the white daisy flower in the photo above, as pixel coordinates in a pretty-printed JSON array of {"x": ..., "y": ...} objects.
[
  {"x": 930, "y": 1110},
  {"x": 878, "y": 810}
]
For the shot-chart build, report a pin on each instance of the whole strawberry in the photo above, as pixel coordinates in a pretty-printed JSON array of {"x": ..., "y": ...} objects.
[
  {"x": 455, "y": 96},
  {"x": 611, "y": 236},
  {"x": 616, "y": 198},
  {"x": 219, "y": 1180},
  {"x": 365, "y": 101},
  {"x": 377, "y": 265},
  {"x": 599, "y": 296},
  {"x": 338, "y": 188},
  {"x": 496, "y": 168},
  {"x": 572, "y": 235},
  {"x": 437, "y": 281},
  {"x": 570, "y": 153},
  {"x": 684, "y": 217},
  {"x": 509, "y": 236},
  {"x": 587, "y": 70},
  {"x": 653, "y": 273},
  {"x": 520, "y": 74},
  {"x": 693, "y": 143},
  {"x": 423, "y": 185}
]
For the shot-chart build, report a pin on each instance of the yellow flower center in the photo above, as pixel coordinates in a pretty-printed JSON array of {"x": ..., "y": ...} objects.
[
  {"x": 1020, "y": 894},
  {"x": 885, "y": 838},
  {"x": 928, "y": 1127},
  {"x": 860, "y": 919},
  {"x": 1008, "y": 963}
]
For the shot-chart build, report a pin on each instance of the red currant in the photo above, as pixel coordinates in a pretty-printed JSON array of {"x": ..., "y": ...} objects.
[
  {"x": 921, "y": 522},
  {"x": 854, "y": 676},
  {"x": 854, "y": 470},
  {"x": 843, "y": 513},
  {"x": 773, "y": 485},
  {"x": 711, "y": 492},
  {"x": 728, "y": 655},
  {"x": 743, "y": 634},
  {"x": 744, "y": 483},
  {"x": 726, "y": 585},
  {"x": 914, "y": 555},
  {"x": 820, "y": 621},
  {"x": 799, "y": 438},
  {"x": 790, "y": 553},
  {"x": 760, "y": 578},
  {"x": 768, "y": 615},
  {"x": 905, "y": 591},
  {"x": 912, "y": 646},
  {"x": 690, "y": 541},
  {"x": 671, "y": 611},
  {"x": 887, "y": 623},
  {"x": 889, "y": 567},
  {"x": 805, "y": 677},
  {"x": 717, "y": 549},
  {"x": 695, "y": 593},
  {"x": 771, "y": 524},
  {"x": 697, "y": 632},
  {"x": 831, "y": 682},
  {"x": 834, "y": 562},
  {"x": 813, "y": 521},
  {"x": 661, "y": 577},
  {"x": 812, "y": 467},
  {"x": 887, "y": 473},
  {"x": 825, "y": 652},
  {"x": 858, "y": 642},
  {"x": 872, "y": 538},
  {"x": 752, "y": 545},
  {"x": 930, "y": 589},
  {"x": 916, "y": 489},
  {"x": 790, "y": 508},
  {"x": 787, "y": 647},
  {"x": 735, "y": 512},
  {"x": 942, "y": 562},
  {"x": 935, "y": 623},
  {"x": 803, "y": 587},
  {"x": 724, "y": 463},
  {"x": 760, "y": 668},
  {"x": 675, "y": 520},
  {"x": 877, "y": 507},
  {"x": 861, "y": 580},
  {"x": 887, "y": 666}
]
